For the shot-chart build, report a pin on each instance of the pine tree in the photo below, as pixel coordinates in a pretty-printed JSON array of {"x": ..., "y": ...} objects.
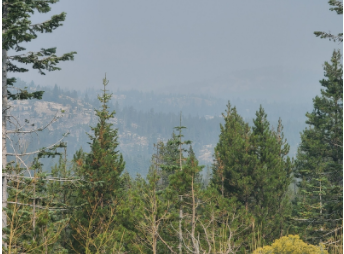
[
  {"x": 33, "y": 212},
  {"x": 100, "y": 170},
  {"x": 17, "y": 29},
  {"x": 169, "y": 163},
  {"x": 180, "y": 182},
  {"x": 184, "y": 195},
  {"x": 210, "y": 223},
  {"x": 191, "y": 179},
  {"x": 62, "y": 191},
  {"x": 151, "y": 210},
  {"x": 272, "y": 177},
  {"x": 234, "y": 165},
  {"x": 319, "y": 163},
  {"x": 234, "y": 179},
  {"x": 224, "y": 224},
  {"x": 104, "y": 162},
  {"x": 251, "y": 166}
]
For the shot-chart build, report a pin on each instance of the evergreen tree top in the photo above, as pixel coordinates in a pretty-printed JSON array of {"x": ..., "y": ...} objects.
[
  {"x": 331, "y": 95},
  {"x": 104, "y": 114},
  {"x": 17, "y": 28},
  {"x": 104, "y": 163}
]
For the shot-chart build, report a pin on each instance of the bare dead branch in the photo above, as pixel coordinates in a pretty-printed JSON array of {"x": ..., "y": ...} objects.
[
  {"x": 57, "y": 179},
  {"x": 168, "y": 246},
  {"x": 27, "y": 168},
  {"x": 42, "y": 207},
  {"x": 18, "y": 130},
  {"x": 35, "y": 152},
  {"x": 206, "y": 236}
]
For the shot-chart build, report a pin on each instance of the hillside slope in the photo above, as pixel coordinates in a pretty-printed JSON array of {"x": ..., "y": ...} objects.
[{"x": 142, "y": 119}]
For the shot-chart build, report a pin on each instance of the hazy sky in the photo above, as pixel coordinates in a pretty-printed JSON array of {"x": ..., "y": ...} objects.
[{"x": 221, "y": 47}]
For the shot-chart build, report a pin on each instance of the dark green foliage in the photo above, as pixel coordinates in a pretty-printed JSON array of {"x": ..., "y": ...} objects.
[
  {"x": 23, "y": 94},
  {"x": 32, "y": 225},
  {"x": 226, "y": 224},
  {"x": 233, "y": 171},
  {"x": 34, "y": 221},
  {"x": 272, "y": 177},
  {"x": 62, "y": 189},
  {"x": 100, "y": 171},
  {"x": 251, "y": 166},
  {"x": 181, "y": 180},
  {"x": 151, "y": 210},
  {"x": 319, "y": 164},
  {"x": 338, "y": 8},
  {"x": 104, "y": 164},
  {"x": 17, "y": 29},
  {"x": 168, "y": 159},
  {"x": 203, "y": 218}
]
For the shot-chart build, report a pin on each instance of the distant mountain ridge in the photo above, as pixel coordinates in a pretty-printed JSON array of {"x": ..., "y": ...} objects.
[{"x": 144, "y": 118}]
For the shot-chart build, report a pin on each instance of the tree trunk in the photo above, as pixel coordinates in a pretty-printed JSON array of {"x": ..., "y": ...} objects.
[
  {"x": 180, "y": 226},
  {"x": 155, "y": 223},
  {"x": 181, "y": 197},
  {"x": 193, "y": 226},
  {"x": 4, "y": 149},
  {"x": 213, "y": 232},
  {"x": 34, "y": 203},
  {"x": 222, "y": 187},
  {"x": 4, "y": 130},
  {"x": 154, "y": 242}
]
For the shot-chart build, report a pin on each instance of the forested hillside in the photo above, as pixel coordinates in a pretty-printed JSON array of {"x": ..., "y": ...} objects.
[
  {"x": 104, "y": 170},
  {"x": 143, "y": 119}
]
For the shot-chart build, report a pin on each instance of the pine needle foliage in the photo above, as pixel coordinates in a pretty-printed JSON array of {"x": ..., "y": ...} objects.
[
  {"x": 251, "y": 165},
  {"x": 319, "y": 163},
  {"x": 100, "y": 171},
  {"x": 234, "y": 164},
  {"x": 17, "y": 29},
  {"x": 104, "y": 164},
  {"x": 272, "y": 177},
  {"x": 336, "y": 6}
]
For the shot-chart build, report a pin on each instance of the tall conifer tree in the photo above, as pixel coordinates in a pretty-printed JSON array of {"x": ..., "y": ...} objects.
[
  {"x": 320, "y": 160},
  {"x": 272, "y": 177},
  {"x": 100, "y": 170},
  {"x": 234, "y": 164},
  {"x": 319, "y": 166},
  {"x": 16, "y": 30},
  {"x": 251, "y": 166}
]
